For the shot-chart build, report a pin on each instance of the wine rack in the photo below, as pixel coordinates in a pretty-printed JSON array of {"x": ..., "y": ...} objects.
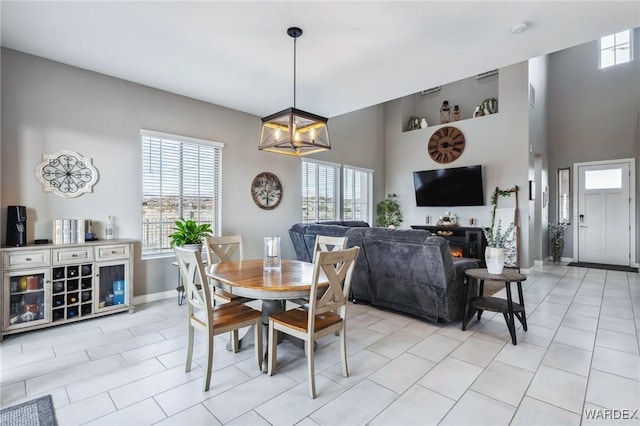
[{"x": 72, "y": 291}]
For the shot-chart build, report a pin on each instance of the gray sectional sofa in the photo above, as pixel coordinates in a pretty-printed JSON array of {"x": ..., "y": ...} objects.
[{"x": 407, "y": 270}]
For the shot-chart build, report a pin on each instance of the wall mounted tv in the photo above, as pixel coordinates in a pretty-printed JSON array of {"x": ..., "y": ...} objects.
[{"x": 460, "y": 186}]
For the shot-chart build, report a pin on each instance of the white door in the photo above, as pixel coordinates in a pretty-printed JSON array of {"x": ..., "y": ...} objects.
[{"x": 604, "y": 232}]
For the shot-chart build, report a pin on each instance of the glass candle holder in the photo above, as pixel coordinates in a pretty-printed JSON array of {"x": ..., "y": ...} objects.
[{"x": 272, "y": 258}]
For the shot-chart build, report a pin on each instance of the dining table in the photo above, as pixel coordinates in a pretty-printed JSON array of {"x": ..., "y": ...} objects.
[{"x": 248, "y": 278}]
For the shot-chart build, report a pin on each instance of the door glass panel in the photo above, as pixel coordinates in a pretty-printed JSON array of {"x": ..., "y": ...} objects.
[
  {"x": 112, "y": 289},
  {"x": 27, "y": 298},
  {"x": 603, "y": 179}
]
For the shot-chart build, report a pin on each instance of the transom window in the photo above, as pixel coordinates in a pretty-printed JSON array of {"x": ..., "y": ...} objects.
[
  {"x": 181, "y": 178},
  {"x": 615, "y": 49}
]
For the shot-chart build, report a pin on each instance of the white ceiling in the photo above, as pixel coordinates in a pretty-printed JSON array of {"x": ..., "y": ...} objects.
[{"x": 352, "y": 54}]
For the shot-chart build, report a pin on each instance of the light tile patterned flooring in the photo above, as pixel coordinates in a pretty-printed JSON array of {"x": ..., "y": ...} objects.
[{"x": 581, "y": 352}]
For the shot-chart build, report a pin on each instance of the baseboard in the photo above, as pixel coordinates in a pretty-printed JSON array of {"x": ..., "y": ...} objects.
[
  {"x": 538, "y": 263},
  {"x": 525, "y": 271},
  {"x": 152, "y": 297}
]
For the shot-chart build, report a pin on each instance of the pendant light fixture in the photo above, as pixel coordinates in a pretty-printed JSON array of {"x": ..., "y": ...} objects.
[{"x": 293, "y": 131}]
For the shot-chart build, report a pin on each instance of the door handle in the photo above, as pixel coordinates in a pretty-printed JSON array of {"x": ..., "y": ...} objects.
[{"x": 581, "y": 218}]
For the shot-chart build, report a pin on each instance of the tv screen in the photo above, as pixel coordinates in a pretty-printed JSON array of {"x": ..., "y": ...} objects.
[{"x": 460, "y": 186}]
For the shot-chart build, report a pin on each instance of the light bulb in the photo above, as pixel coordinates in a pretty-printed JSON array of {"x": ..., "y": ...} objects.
[{"x": 277, "y": 134}]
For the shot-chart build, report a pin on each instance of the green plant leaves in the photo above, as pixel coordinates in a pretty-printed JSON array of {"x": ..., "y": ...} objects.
[{"x": 189, "y": 232}]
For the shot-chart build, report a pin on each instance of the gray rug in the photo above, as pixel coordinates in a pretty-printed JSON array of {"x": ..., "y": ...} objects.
[
  {"x": 603, "y": 266},
  {"x": 37, "y": 412}
]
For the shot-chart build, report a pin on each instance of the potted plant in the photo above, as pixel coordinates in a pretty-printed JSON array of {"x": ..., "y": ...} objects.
[
  {"x": 189, "y": 233},
  {"x": 496, "y": 240},
  {"x": 557, "y": 239},
  {"x": 388, "y": 210}
]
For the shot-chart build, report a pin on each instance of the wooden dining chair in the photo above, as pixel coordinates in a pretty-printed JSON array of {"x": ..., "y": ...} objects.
[
  {"x": 327, "y": 311},
  {"x": 323, "y": 243},
  {"x": 214, "y": 320}
]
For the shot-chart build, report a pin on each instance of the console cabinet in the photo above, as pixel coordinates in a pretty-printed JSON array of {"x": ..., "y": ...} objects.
[
  {"x": 47, "y": 285},
  {"x": 469, "y": 240}
]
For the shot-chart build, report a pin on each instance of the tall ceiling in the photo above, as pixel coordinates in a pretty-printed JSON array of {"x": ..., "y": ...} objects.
[{"x": 352, "y": 54}]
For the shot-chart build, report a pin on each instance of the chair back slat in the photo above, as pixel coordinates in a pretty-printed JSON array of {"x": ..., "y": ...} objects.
[
  {"x": 338, "y": 268},
  {"x": 222, "y": 249},
  {"x": 328, "y": 243},
  {"x": 193, "y": 276}
]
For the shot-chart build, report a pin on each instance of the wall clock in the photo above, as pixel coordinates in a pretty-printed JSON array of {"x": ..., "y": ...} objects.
[
  {"x": 66, "y": 173},
  {"x": 266, "y": 191},
  {"x": 446, "y": 144}
]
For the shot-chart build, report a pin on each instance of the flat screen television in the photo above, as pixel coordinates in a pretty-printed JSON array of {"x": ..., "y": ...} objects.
[{"x": 460, "y": 186}]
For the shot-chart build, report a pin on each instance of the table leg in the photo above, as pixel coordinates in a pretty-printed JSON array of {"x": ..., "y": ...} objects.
[
  {"x": 480, "y": 294},
  {"x": 467, "y": 304},
  {"x": 523, "y": 316},
  {"x": 509, "y": 316}
]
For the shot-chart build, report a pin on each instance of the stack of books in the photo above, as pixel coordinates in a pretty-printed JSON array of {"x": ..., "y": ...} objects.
[{"x": 68, "y": 231}]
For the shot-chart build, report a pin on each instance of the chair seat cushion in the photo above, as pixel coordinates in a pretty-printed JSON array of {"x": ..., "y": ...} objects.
[
  {"x": 225, "y": 296},
  {"x": 298, "y": 319},
  {"x": 226, "y": 314}
]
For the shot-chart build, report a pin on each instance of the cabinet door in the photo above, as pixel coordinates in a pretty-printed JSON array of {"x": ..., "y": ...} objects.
[
  {"x": 111, "y": 286},
  {"x": 27, "y": 298}
]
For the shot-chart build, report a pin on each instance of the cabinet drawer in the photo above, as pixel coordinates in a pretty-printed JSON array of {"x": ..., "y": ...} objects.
[
  {"x": 21, "y": 259},
  {"x": 72, "y": 255},
  {"x": 116, "y": 251}
]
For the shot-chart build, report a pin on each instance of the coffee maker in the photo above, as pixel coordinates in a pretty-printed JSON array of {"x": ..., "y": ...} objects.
[{"x": 16, "y": 226}]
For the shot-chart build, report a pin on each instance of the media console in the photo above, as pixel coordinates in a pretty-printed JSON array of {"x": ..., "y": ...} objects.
[{"x": 464, "y": 241}]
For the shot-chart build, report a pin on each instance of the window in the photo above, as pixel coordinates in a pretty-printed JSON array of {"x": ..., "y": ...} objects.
[
  {"x": 357, "y": 194},
  {"x": 603, "y": 179},
  {"x": 320, "y": 191},
  {"x": 563, "y": 196},
  {"x": 615, "y": 49},
  {"x": 181, "y": 178}
]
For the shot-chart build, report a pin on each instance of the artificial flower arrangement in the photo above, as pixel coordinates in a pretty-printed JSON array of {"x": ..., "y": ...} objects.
[{"x": 497, "y": 238}]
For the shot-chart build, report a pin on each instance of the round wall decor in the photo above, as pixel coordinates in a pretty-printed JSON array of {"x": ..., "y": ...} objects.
[
  {"x": 66, "y": 173},
  {"x": 446, "y": 144},
  {"x": 266, "y": 191}
]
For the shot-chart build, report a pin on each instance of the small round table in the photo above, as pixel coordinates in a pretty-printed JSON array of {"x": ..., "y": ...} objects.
[{"x": 507, "y": 307}]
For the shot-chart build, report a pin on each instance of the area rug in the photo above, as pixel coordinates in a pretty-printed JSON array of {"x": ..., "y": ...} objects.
[
  {"x": 37, "y": 412},
  {"x": 603, "y": 266}
]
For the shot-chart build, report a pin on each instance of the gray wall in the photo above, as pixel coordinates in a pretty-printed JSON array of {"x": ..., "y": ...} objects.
[
  {"x": 49, "y": 107},
  {"x": 499, "y": 142},
  {"x": 593, "y": 115}
]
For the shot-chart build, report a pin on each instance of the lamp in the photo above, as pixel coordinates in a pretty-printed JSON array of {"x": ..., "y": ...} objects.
[{"x": 293, "y": 131}]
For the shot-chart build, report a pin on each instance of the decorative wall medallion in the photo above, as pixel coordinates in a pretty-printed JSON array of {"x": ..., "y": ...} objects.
[
  {"x": 266, "y": 191},
  {"x": 66, "y": 173},
  {"x": 446, "y": 144}
]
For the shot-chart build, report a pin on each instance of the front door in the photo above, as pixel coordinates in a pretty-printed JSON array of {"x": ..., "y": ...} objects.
[{"x": 604, "y": 231}]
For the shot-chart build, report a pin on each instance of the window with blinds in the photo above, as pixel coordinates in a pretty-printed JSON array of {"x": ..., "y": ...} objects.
[
  {"x": 181, "y": 178},
  {"x": 320, "y": 191},
  {"x": 357, "y": 188}
]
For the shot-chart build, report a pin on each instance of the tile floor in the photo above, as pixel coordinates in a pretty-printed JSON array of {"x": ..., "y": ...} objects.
[{"x": 580, "y": 353}]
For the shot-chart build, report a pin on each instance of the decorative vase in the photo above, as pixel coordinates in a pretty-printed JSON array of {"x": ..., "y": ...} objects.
[
  {"x": 445, "y": 113},
  {"x": 557, "y": 245},
  {"x": 494, "y": 257}
]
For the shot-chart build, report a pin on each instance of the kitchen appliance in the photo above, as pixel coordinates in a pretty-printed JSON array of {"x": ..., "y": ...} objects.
[{"x": 16, "y": 226}]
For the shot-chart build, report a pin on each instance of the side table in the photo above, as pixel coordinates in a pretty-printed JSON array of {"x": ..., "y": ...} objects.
[{"x": 507, "y": 307}]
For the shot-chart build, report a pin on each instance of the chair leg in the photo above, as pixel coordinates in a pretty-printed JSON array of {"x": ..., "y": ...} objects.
[
  {"x": 209, "y": 369},
  {"x": 187, "y": 365},
  {"x": 258, "y": 342},
  {"x": 273, "y": 344},
  {"x": 235, "y": 346},
  {"x": 343, "y": 351},
  {"x": 311, "y": 368}
]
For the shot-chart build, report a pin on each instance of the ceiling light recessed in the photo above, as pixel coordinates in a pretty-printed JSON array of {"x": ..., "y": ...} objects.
[{"x": 519, "y": 28}]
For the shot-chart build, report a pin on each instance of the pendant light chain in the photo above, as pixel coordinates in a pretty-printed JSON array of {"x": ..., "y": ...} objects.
[{"x": 295, "y": 41}]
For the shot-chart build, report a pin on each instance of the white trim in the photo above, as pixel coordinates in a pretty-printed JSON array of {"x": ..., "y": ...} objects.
[
  {"x": 360, "y": 169},
  {"x": 179, "y": 138},
  {"x": 632, "y": 204},
  {"x": 538, "y": 263},
  {"x": 152, "y": 297},
  {"x": 326, "y": 163}
]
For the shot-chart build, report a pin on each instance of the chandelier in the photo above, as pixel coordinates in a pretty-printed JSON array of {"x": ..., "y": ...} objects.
[{"x": 293, "y": 131}]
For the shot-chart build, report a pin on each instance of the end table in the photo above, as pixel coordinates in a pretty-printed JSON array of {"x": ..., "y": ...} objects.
[{"x": 507, "y": 307}]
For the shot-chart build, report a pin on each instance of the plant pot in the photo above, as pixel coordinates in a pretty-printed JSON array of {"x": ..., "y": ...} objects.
[
  {"x": 494, "y": 257},
  {"x": 557, "y": 245},
  {"x": 194, "y": 247}
]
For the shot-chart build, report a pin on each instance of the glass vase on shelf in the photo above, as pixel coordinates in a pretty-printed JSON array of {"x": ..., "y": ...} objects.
[
  {"x": 445, "y": 113},
  {"x": 456, "y": 115}
]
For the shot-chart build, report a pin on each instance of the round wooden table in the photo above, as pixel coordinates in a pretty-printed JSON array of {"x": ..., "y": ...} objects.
[{"x": 507, "y": 307}]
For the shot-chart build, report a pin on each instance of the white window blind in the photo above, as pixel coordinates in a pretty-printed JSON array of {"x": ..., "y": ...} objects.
[
  {"x": 181, "y": 178},
  {"x": 320, "y": 191},
  {"x": 357, "y": 194},
  {"x": 616, "y": 49}
]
